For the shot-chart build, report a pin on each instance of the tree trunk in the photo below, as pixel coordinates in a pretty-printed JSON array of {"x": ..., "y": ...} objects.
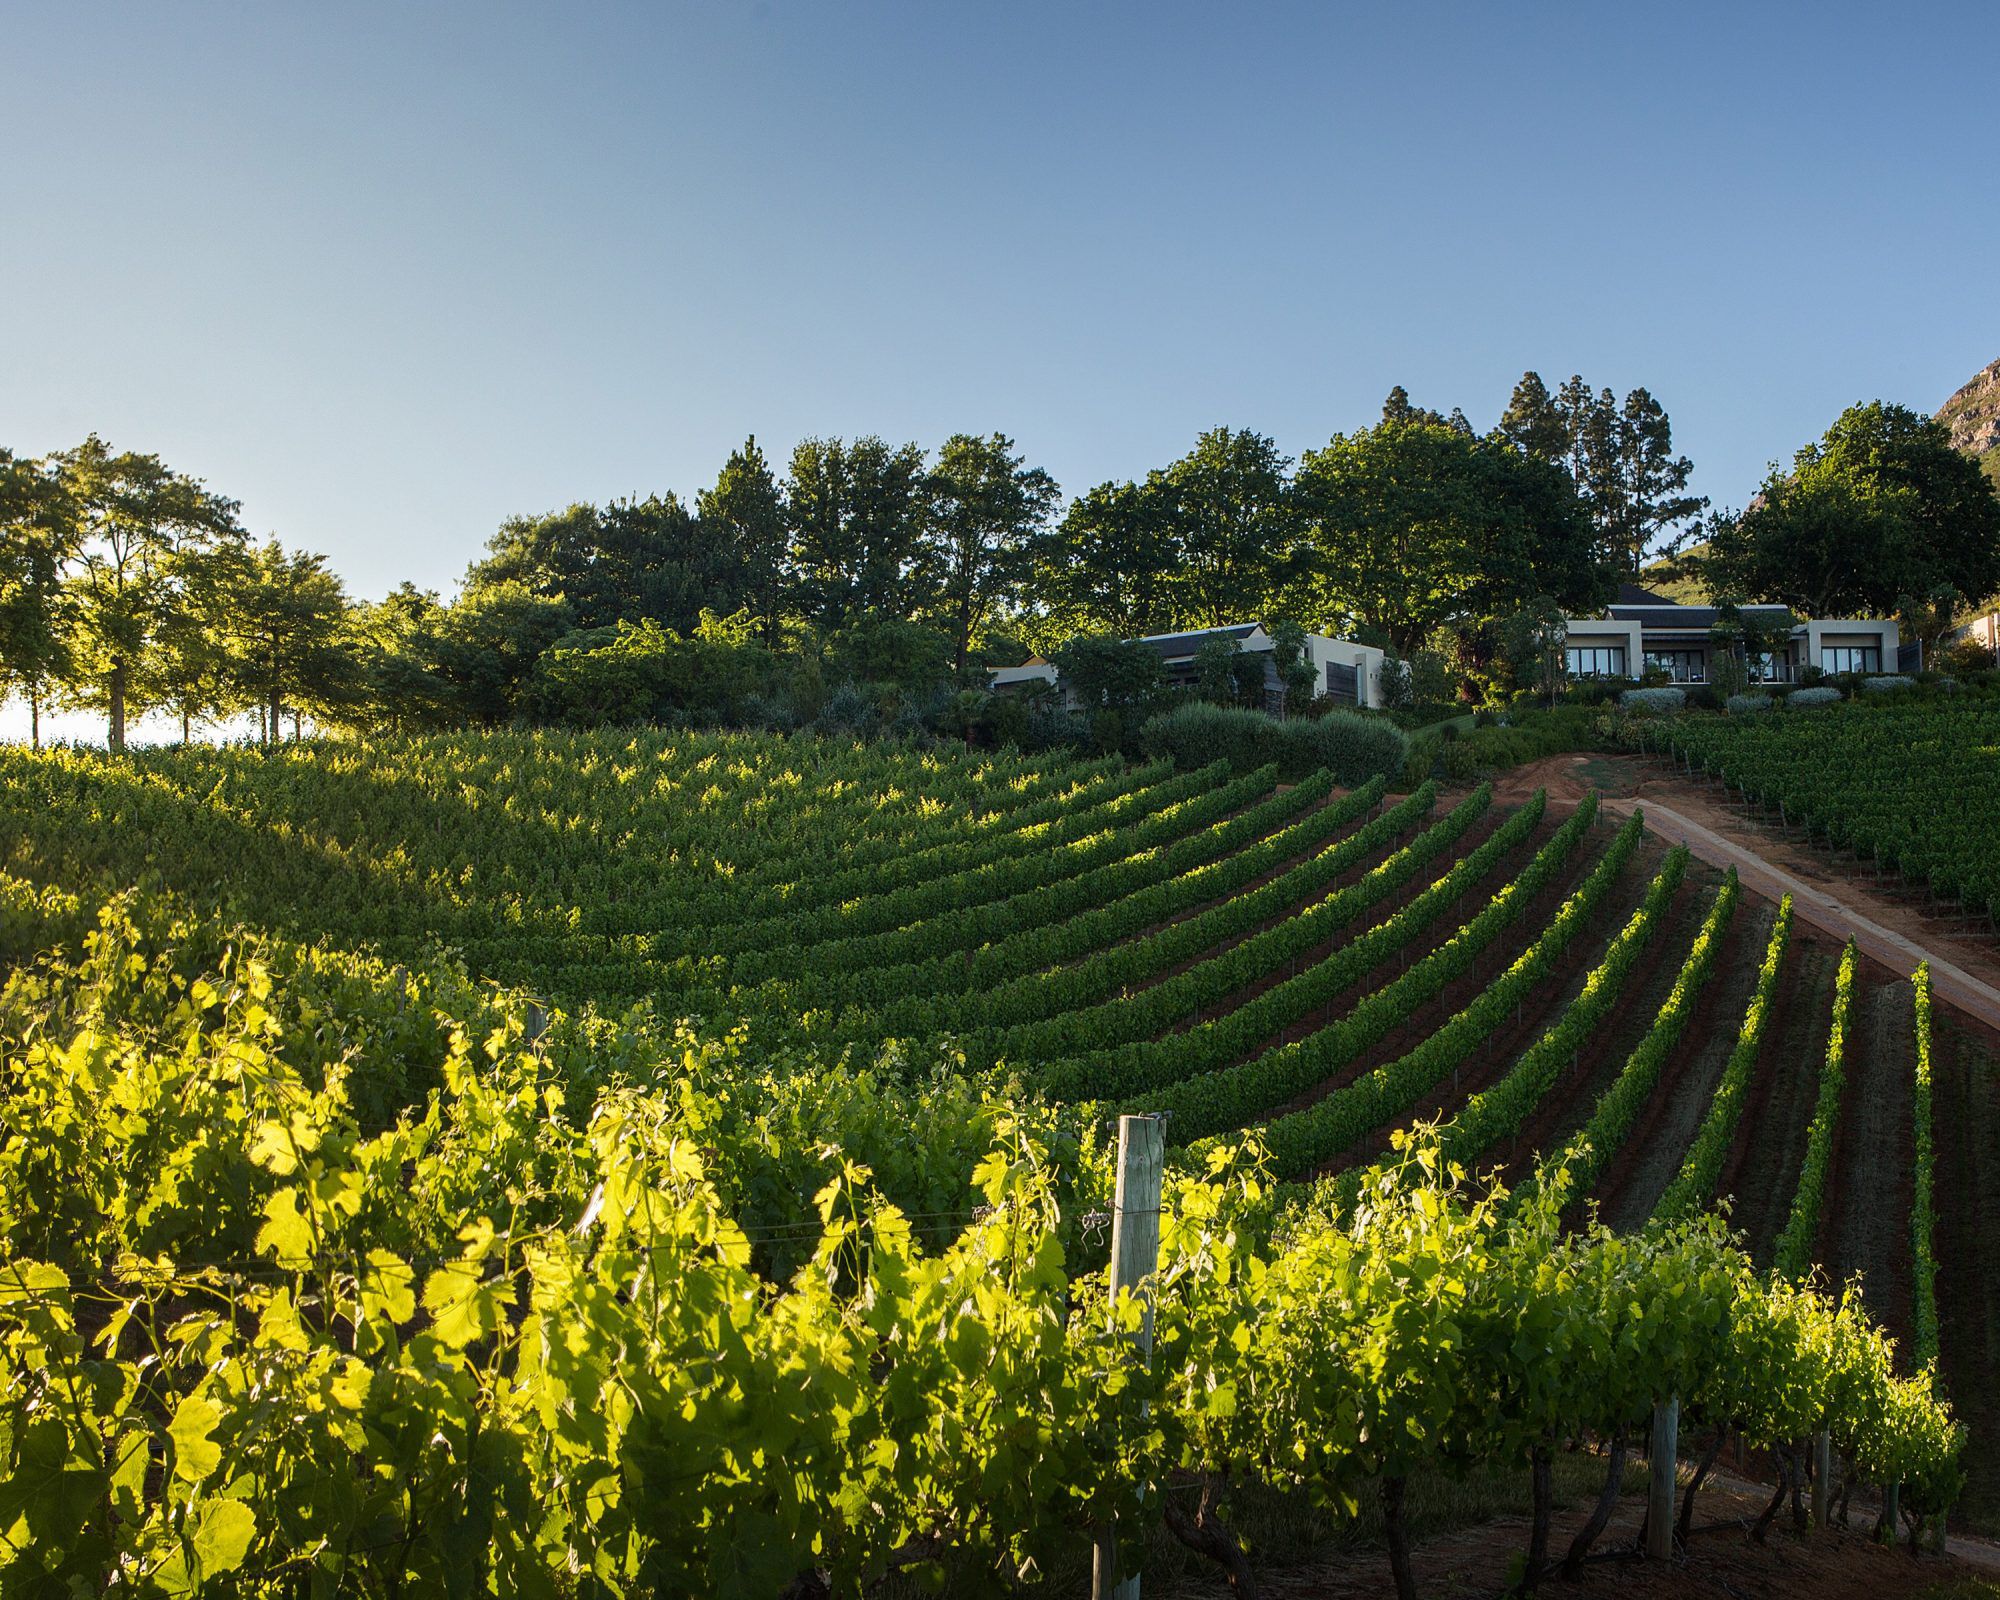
[
  {"x": 1694, "y": 1484},
  {"x": 117, "y": 733},
  {"x": 1600, "y": 1516},
  {"x": 276, "y": 719},
  {"x": 35, "y": 718},
  {"x": 1207, "y": 1534},
  {"x": 1538, "y": 1533},
  {"x": 1399, "y": 1538},
  {"x": 1762, "y": 1526},
  {"x": 184, "y": 725}
]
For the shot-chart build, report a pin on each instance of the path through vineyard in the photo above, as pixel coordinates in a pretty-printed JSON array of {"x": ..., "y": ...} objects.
[
  {"x": 1965, "y": 966},
  {"x": 1866, "y": 1229}
]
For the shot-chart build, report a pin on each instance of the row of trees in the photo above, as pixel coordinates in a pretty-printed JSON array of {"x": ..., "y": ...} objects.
[
  {"x": 125, "y": 585},
  {"x": 1391, "y": 531}
]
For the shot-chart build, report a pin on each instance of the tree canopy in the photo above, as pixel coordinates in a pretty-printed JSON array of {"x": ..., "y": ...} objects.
[
  {"x": 1415, "y": 523},
  {"x": 1879, "y": 510}
]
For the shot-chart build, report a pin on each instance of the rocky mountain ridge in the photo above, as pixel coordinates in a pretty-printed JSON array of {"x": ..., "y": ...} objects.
[{"x": 1973, "y": 416}]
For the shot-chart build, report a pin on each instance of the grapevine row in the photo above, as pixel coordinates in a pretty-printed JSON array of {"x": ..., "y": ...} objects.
[{"x": 1701, "y": 1172}]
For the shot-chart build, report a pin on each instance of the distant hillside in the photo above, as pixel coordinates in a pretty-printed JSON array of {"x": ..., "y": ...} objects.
[
  {"x": 1973, "y": 416},
  {"x": 1672, "y": 580}
]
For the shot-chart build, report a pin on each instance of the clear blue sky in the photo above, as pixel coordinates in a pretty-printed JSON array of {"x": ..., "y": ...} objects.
[{"x": 388, "y": 274}]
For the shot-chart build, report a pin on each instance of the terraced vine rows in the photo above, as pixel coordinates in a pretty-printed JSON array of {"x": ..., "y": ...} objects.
[{"x": 1562, "y": 995}]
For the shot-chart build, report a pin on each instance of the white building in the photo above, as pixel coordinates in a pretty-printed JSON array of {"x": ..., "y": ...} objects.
[
  {"x": 1341, "y": 669},
  {"x": 1641, "y": 630}
]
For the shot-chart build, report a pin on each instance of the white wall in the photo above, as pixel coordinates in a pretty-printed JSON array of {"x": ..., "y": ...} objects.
[{"x": 1364, "y": 658}]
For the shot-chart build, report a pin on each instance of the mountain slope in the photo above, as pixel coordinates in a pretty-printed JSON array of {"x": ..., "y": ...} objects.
[{"x": 1973, "y": 416}]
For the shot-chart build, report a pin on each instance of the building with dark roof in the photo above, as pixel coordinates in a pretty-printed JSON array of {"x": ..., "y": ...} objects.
[
  {"x": 1342, "y": 670},
  {"x": 1641, "y": 631}
]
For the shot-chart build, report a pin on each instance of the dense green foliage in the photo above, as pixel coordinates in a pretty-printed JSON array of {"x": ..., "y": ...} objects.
[
  {"x": 1915, "y": 785},
  {"x": 1881, "y": 511},
  {"x": 675, "y": 1163},
  {"x": 1353, "y": 748},
  {"x": 528, "y": 1338}
]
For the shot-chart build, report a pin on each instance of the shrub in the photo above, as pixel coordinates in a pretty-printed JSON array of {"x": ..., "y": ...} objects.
[
  {"x": 1887, "y": 683},
  {"x": 1661, "y": 702},
  {"x": 1806, "y": 699},
  {"x": 1743, "y": 704},
  {"x": 1351, "y": 746}
]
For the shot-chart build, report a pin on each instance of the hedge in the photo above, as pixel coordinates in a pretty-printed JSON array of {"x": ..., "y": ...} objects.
[{"x": 1353, "y": 747}]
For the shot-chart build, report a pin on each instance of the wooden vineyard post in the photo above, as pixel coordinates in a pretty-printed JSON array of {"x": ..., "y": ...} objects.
[
  {"x": 1822, "y": 1477},
  {"x": 1662, "y": 1460},
  {"x": 1135, "y": 1257}
]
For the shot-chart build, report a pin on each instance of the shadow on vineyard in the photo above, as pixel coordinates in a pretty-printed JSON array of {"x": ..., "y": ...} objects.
[{"x": 712, "y": 1162}]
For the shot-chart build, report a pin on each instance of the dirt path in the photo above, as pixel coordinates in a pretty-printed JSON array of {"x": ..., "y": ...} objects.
[
  {"x": 1966, "y": 1116},
  {"x": 1659, "y": 1143},
  {"x": 1866, "y": 1230},
  {"x": 1965, "y": 972},
  {"x": 1762, "y": 1172},
  {"x": 1721, "y": 1561}
]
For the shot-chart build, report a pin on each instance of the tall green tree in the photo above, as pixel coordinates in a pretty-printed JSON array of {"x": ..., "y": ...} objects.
[
  {"x": 1621, "y": 459},
  {"x": 857, "y": 513},
  {"x": 1880, "y": 509},
  {"x": 1233, "y": 526},
  {"x": 1412, "y": 525},
  {"x": 1110, "y": 565},
  {"x": 1532, "y": 423},
  {"x": 130, "y": 518},
  {"x": 745, "y": 513},
  {"x": 190, "y": 670},
  {"x": 289, "y": 618},
  {"x": 487, "y": 644},
  {"x": 633, "y": 559},
  {"x": 34, "y": 611},
  {"x": 987, "y": 508}
]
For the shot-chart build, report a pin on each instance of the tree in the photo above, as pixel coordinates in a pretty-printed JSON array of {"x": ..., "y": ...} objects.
[
  {"x": 1411, "y": 525},
  {"x": 1214, "y": 670},
  {"x": 1108, "y": 567},
  {"x": 1533, "y": 639},
  {"x": 1881, "y": 508},
  {"x": 857, "y": 513},
  {"x": 130, "y": 517},
  {"x": 986, "y": 510},
  {"x": 289, "y": 621},
  {"x": 487, "y": 644},
  {"x": 1532, "y": 424},
  {"x": 1232, "y": 520},
  {"x": 397, "y": 642},
  {"x": 1116, "y": 684},
  {"x": 746, "y": 513},
  {"x": 1652, "y": 499},
  {"x": 1928, "y": 617},
  {"x": 1295, "y": 668},
  {"x": 34, "y": 610},
  {"x": 1621, "y": 460},
  {"x": 190, "y": 668},
  {"x": 633, "y": 559}
]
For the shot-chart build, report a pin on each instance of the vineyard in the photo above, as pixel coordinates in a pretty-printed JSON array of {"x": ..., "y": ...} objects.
[
  {"x": 1913, "y": 788},
  {"x": 682, "y": 1163}
]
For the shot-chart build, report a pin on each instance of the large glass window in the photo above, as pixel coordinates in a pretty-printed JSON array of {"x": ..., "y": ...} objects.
[
  {"x": 1852, "y": 658},
  {"x": 1596, "y": 661},
  {"x": 1766, "y": 666},
  {"x": 1681, "y": 666}
]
